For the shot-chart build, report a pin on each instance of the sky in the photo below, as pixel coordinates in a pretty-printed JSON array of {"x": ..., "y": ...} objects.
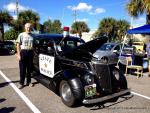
[{"x": 67, "y": 11}]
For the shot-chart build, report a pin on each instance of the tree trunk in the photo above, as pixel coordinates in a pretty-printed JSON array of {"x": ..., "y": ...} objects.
[
  {"x": 80, "y": 34},
  {"x": 1, "y": 32},
  {"x": 148, "y": 19}
]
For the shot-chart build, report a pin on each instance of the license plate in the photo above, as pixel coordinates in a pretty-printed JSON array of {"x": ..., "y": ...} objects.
[{"x": 90, "y": 90}]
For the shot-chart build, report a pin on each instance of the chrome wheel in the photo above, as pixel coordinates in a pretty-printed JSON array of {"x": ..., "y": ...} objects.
[{"x": 66, "y": 92}]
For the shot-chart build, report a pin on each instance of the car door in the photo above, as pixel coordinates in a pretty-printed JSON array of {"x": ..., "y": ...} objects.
[{"x": 43, "y": 46}]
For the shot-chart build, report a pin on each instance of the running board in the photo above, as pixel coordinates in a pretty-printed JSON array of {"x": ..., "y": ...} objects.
[
  {"x": 42, "y": 80},
  {"x": 101, "y": 99}
]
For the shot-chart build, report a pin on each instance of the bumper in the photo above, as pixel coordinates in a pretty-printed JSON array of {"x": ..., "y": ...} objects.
[{"x": 101, "y": 99}]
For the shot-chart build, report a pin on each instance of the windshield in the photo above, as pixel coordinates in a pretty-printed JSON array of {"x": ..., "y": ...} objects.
[
  {"x": 106, "y": 47},
  {"x": 61, "y": 44}
]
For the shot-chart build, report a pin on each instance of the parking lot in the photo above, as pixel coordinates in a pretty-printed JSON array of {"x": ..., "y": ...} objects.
[{"x": 39, "y": 99}]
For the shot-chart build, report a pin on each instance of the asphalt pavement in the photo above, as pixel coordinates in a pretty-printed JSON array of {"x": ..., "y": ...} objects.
[{"x": 39, "y": 99}]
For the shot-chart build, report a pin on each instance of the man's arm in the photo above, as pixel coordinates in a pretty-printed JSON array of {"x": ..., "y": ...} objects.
[{"x": 18, "y": 50}]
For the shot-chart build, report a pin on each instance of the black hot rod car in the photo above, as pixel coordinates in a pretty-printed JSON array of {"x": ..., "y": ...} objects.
[{"x": 66, "y": 65}]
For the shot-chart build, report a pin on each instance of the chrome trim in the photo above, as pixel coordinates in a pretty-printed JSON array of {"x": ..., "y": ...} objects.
[{"x": 101, "y": 99}]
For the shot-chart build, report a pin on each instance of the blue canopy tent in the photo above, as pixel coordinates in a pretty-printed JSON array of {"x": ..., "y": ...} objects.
[
  {"x": 140, "y": 30},
  {"x": 145, "y": 29}
]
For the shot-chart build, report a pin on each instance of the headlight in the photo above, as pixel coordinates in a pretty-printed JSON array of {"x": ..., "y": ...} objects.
[
  {"x": 88, "y": 79},
  {"x": 115, "y": 74}
]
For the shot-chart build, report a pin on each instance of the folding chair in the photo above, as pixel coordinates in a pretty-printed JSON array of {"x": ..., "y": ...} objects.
[{"x": 139, "y": 69}]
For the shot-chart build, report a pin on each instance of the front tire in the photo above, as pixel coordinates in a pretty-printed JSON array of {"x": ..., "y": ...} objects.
[{"x": 66, "y": 94}]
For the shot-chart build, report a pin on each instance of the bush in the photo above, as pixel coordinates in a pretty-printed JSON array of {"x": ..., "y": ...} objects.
[{"x": 11, "y": 35}]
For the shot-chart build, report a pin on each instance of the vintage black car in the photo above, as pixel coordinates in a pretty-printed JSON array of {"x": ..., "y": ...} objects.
[{"x": 66, "y": 65}]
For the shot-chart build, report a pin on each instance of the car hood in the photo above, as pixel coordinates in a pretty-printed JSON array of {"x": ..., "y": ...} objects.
[
  {"x": 99, "y": 54},
  {"x": 86, "y": 50}
]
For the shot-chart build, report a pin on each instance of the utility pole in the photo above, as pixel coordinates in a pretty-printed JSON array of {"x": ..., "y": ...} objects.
[
  {"x": 75, "y": 17},
  {"x": 17, "y": 13},
  {"x": 17, "y": 8}
]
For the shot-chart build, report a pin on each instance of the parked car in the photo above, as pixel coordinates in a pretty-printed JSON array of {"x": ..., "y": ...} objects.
[
  {"x": 66, "y": 66},
  {"x": 7, "y": 48},
  {"x": 109, "y": 52}
]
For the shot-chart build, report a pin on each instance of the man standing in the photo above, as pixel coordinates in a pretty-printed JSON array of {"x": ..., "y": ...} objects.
[
  {"x": 24, "y": 45},
  {"x": 148, "y": 56}
]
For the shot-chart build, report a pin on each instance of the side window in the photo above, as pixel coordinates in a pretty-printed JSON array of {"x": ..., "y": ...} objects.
[
  {"x": 36, "y": 45},
  {"x": 70, "y": 44},
  {"x": 43, "y": 47},
  {"x": 117, "y": 48},
  {"x": 50, "y": 47}
]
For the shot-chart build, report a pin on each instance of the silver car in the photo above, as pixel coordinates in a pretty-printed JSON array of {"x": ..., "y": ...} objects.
[{"x": 108, "y": 53}]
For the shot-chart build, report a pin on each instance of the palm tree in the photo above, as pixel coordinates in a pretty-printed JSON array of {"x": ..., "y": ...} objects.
[
  {"x": 122, "y": 26},
  {"x": 5, "y": 18},
  {"x": 47, "y": 26},
  {"x": 138, "y": 7},
  {"x": 112, "y": 28},
  {"x": 79, "y": 27},
  {"x": 28, "y": 16},
  {"x": 108, "y": 26},
  {"x": 56, "y": 27}
]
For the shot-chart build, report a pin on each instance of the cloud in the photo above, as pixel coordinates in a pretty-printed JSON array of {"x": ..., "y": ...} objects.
[
  {"x": 84, "y": 7},
  {"x": 81, "y": 7},
  {"x": 82, "y": 20},
  {"x": 11, "y": 7},
  {"x": 14, "y": 17},
  {"x": 139, "y": 22},
  {"x": 97, "y": 11}
]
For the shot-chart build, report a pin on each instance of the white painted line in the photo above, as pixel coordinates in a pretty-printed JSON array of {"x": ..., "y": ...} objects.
[
  {"x": 24, "y": 98},
  {"x": 140, "y": 95}
]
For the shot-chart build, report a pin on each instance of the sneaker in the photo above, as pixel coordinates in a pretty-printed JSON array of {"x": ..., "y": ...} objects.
[
  {"x": 27, "y": 84},
  {"x": 31, "y": 85},
  {"x": 21, "y": 86}
]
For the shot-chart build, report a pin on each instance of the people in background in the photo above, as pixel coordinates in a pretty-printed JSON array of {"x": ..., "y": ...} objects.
[{"x": 148, "y": 56}]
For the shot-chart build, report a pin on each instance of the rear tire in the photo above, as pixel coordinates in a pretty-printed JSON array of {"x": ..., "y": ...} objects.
[{"x": 11, "y": 52}]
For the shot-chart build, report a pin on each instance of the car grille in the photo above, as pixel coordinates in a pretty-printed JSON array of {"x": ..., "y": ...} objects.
[{"x": 103, "y": 72}]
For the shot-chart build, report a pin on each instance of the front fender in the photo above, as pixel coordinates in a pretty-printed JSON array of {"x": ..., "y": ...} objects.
[{"x": 77, "y": 88}]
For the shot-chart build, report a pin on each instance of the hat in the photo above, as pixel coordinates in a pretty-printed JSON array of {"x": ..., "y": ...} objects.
[{"x": 28, "y": 25}]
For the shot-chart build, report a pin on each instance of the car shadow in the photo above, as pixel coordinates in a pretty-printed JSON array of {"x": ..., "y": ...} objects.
[{"x": 103, "y": 106}]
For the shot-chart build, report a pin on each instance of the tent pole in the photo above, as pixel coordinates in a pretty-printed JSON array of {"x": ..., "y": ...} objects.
[{"x": 121, "y": 50}]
